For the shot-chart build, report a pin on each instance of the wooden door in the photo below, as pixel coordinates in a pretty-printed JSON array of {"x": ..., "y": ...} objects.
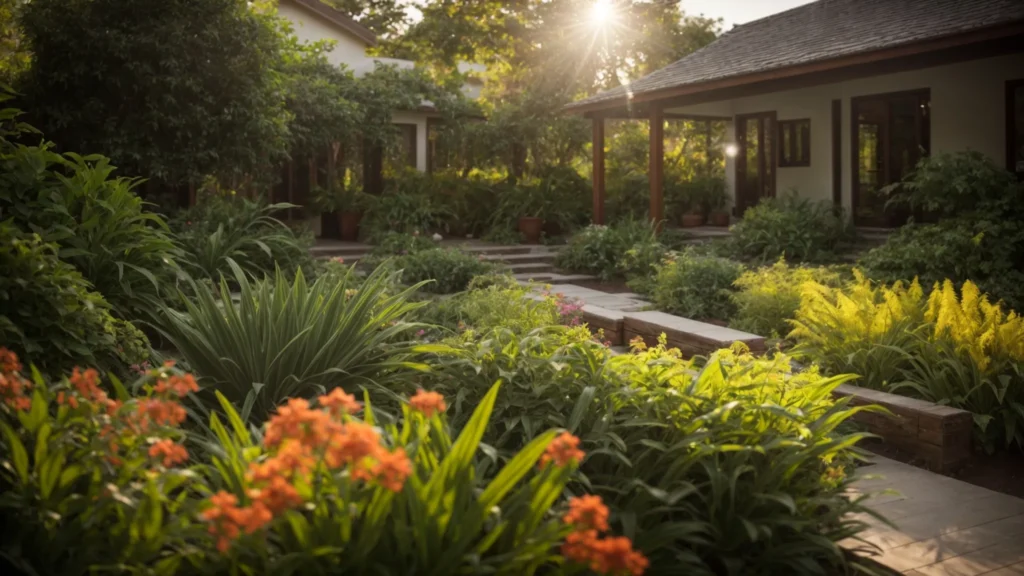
[{"x": 755, "y": 160}]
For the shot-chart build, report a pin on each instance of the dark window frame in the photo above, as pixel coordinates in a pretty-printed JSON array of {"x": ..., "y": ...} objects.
[
  {"x": 1011, "y": 125},
  {"x": 787, "y": 158}
]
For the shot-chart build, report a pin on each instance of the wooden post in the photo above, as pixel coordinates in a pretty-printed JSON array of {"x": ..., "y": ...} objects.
[
  {"x": 598, "y": 170},
  {"x": 657, "y": 164},
  {"x": 191, "y": 194}
]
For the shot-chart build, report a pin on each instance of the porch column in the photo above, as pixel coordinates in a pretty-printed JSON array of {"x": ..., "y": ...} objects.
[
  {"x": 655, "y": 172},
  {"x": 598, "y": 170}
]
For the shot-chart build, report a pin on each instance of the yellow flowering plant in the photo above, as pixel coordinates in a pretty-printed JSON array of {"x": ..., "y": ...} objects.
[{"x": 951, "y": 348}]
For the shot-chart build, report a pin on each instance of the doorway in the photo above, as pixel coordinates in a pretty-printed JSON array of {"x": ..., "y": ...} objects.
[
  {"x": 755, "y": 159},
  {"x": 890, "y": 132}
]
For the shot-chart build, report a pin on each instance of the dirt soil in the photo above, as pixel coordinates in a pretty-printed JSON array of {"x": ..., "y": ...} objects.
[{"x": 1000, "y": 472}]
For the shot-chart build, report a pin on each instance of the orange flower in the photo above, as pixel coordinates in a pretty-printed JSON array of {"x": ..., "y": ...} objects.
[
  {"x": 587, "y": 513},
  {"x": 13, "y": 390},
  {"x": 253, "y": 518},
  {"x": 353, "y": 442},
  {"x": 160, "y": 412},
  {"x": 391, "y": 469},
  {"x": 563, "y": 451},
  {"x": 9, "y": 363},
  {"x": 224, "y": 516},
  {"x": 277, "y": 496},
  {"x": 87, "y": 384},
  {"x": 428, "y": 403},
  {"x": 295, "y": 420},
  {"x": 338, "y": 402},
  {"x": 613, "y": 556},
  {"x": 180, "y": 386},
  {"x": 170, "y": 452}
]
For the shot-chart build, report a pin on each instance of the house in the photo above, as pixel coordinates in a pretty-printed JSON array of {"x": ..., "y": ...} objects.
[
  {"x": 838, "y": 98},
  {"x": 313, "y": 21}
]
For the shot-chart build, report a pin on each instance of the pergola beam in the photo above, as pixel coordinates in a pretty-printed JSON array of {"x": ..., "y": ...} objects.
[
  {"x": 656, "y": 171},
  {"x": 598, "y": 170}
]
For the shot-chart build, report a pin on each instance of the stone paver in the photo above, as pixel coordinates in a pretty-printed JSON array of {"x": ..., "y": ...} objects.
[{"x": 942, "y": 525}]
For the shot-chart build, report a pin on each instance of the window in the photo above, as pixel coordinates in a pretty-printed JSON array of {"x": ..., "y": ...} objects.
[{"x": 794, "y": 143}]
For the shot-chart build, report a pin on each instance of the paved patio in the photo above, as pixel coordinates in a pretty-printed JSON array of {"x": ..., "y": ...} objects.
[{"x": 944, "y": 526}]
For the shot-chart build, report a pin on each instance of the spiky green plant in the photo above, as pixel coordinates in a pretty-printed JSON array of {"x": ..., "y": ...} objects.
[{"x": 278, "y": 339}]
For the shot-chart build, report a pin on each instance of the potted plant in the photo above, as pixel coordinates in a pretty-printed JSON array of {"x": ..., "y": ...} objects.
[
  {"x": 693, "y": 218},
  {"x": 715, "y": 200},
  {"x": 531, "y": 205},
  {"x": 347, "y": 203},
  {"x": 693, "y": 208}
]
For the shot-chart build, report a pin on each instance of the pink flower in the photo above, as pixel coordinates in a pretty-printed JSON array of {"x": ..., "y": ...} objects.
[
  {"x": 338, "y": 260},
  {"x": 421, "y": 332}
]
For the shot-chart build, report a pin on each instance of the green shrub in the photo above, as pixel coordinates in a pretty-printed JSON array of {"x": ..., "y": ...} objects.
[
  {"x": 983, "y": 251},
  {"x": 960, "y": 185},
  {"x": 98, "y": 222},
  {"x": 283, "y": 339},
  {"x": 696, "y": 286},
  {"x": 768, "y": 298},
  {"x": 226, "y": 227},
  {"x": 342, "y": 495},
  {"x": 400, "y": 244},
  {"x": 714, "y": 470},
  {"x": 789, "y": 226},
  {"x": 446, "y": 270},
  {"x": 599, "y": 249},
  {"x": 51, "y": 317}
]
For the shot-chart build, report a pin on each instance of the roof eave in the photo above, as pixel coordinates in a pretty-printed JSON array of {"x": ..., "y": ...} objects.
[{"x": 1002, "y": 30}]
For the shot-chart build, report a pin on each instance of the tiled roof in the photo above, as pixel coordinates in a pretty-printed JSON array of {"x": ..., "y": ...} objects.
[
  {"x": 820, "y": 31},
  {"x": 339, "y": 19}
]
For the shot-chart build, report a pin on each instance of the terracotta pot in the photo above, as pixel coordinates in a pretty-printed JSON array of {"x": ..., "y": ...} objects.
[
  {"x": 719, "y": 219},
  {"x": 692, "y": 220},
  {"x": 349, "y": 223},
  {"x": 531, "y": 228}
]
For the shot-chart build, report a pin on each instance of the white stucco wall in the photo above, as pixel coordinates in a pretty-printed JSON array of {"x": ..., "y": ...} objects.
[
  {"x": 968, "y": 110},
  {"x": 309, "y": 27}
]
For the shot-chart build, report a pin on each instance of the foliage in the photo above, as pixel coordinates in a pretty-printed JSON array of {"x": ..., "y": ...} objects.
[
  {"x": 600, "y": 249},
  {"x": 14, "y": 58},
  {"x": 223, "y": 228},
  {"x": 107, "y": 468},
  {"x": 767, "y": 298},
  {"x": 796, "y": 228},
  {"x": 963, "y": 352},
  {"x": 282, "y": 339},
  {"x": 965, "y": 184},
  {"x": 340, "y": 198},
  {"x": 714, "y": 470},
  {"x": 342, "y": 495},
  {"x": 696, "y": 286},
  {"x": 98, "y": 222},
  {"x": 986, "y": 252},
  {"x": 50, "y": 316},
  {"x": 197, "y": 84},
  {"x": 441, "y": 270},
  {"x": 408, "y": 205},
  {"x": 400, "y": 244},
  {"x": 708, "y": 193}
]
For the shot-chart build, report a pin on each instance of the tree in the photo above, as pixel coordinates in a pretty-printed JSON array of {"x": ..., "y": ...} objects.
[
  {"x": 169, "y": 89},
  {"x": 385, "y": 18},
  {"x": 14, "y": 58}
]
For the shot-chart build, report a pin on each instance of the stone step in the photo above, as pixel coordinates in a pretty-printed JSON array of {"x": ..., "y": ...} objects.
[
  {"x": 527, "y": 258},
  {"x": 527, "y": 278},
  {"x": 532, "y": 268},
  {"x": 340, "y": 249}
]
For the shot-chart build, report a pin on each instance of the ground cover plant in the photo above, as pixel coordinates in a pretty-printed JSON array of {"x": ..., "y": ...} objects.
[
  {"x": 951, "y": 347},
  {"x": 767, "y": 298},
  {"x": 317, "y": 489}
]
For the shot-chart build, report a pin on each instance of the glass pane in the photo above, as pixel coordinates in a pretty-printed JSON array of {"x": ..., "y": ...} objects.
[
  {"x": 787, "y": 143},
  {"x": 869, "y": 162},
  {"x": 769, "y": 157},
  {"x": 904, "y": 136},
  {"x": 753, "y": 165}
]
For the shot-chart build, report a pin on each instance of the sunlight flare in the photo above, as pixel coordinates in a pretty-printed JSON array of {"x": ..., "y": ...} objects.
[{"x": 601, "y": 12}]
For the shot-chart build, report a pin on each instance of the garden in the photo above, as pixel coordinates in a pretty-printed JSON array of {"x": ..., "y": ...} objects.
[{"x": 186, "y": 389}]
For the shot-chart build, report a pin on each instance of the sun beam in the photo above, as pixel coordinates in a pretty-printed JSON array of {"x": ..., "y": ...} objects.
[{"x": 601, "y": 12}]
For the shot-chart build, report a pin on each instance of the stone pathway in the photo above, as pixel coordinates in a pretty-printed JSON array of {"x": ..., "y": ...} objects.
[
  {"x": 943, "y": 526},
  {"x": 627, "y": 302}
]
